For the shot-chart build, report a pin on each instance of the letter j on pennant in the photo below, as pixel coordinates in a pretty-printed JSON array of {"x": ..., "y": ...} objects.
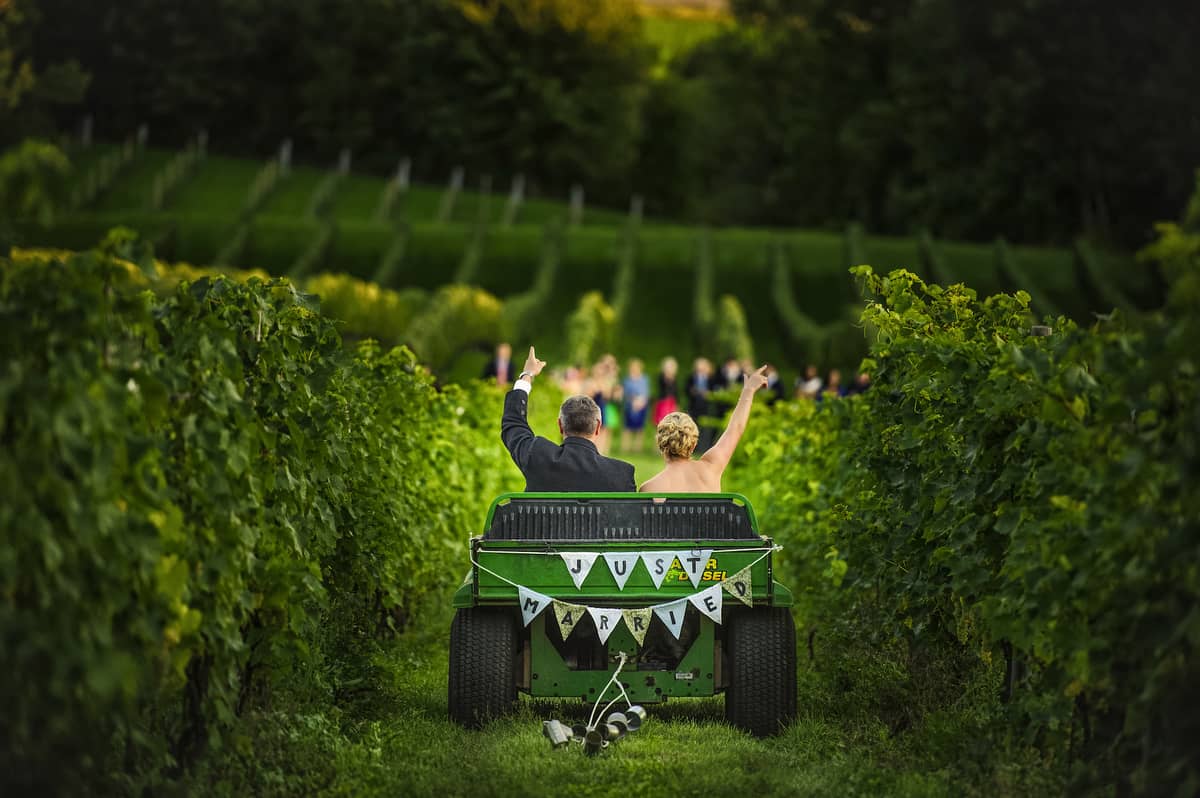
[{"x": 579, "y": 564}]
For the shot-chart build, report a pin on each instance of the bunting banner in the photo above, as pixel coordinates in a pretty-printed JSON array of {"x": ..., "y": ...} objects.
[
  {"x": 708, "y": 601},
  {"x": 672, "y": 615},
  {"x": 694, "y": 563},
  {"x": 694, "y": 566},
  {"x": 606, "y": 620},
  {"x": 568, "y": 616},
  {"x": 638, "y": 622},
  {"x": 532, "y": 603},
  {"x": 739, "y": 585},
  {"x": 658, "y": 563},
  {"x": 579, "y": 563},
  {"x": 621, "y": 564}
]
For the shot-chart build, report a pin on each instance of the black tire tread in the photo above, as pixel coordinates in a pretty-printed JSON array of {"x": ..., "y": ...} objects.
[
  {"x": 482, "y": 683},
  {"x": 761, "y": 696}
]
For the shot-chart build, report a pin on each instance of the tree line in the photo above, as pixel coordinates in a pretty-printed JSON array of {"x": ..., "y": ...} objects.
[{"x": 1037, "y": 121}]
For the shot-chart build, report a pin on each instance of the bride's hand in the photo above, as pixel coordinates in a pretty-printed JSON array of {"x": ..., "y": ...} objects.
[{"x": 754, "y": 381}]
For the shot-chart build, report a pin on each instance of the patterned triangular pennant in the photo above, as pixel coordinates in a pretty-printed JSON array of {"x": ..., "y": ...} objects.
[
  {"x": 532, "y": 603},
  {"x": 708, "y": 601},
  {"x": 658, "y": 563},
  {"x": 621, "y": 565},
  {"x": 579, "y": 563},
  {"x": 606, "y": 620},
  {"x": 568, "y": 616},
  {"x": 672, "y": 615},
  {"x": 637, "y": 622},
  {"x": 739, "y": 586}
]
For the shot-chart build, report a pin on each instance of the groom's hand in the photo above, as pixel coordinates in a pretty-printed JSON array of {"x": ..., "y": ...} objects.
[{"x": 533, "y": 366}]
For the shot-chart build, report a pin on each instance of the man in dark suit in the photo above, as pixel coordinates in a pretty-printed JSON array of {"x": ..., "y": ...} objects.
[
  {"x": 700, "y": 385},
  {"x": 576, "y": 465}
]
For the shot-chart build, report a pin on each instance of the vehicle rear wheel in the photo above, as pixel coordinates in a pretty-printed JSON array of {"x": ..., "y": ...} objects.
[
  {"x": 761, "y": 696},
  {"x": 483, "y": 661}
]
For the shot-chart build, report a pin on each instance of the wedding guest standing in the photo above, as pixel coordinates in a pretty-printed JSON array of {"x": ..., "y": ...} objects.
[
  {"x": 500, "y": 366},
  {"x": 635, "y": 390},
  {"x": 668, "y": 389},
  {"x": 700, "y": 385}
]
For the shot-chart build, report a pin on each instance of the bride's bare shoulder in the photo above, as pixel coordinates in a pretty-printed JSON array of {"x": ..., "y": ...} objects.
[{"x": 650, "y": 484}]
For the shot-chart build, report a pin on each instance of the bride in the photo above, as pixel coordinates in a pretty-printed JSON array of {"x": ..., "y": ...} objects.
[{"x": 677, "y": 435}]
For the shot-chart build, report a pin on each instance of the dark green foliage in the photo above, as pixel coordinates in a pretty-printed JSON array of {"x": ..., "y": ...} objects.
[
  {"x": 997, "y": 490},
  {"x": 552, "y": 91},
  {"x": 205, "y": 497}
]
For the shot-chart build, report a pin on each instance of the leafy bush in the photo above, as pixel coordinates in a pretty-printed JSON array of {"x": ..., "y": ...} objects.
[
  {"x": 457, "y": 318},
  {"x": 33, "y": 180},
  {"x": 1020, "y": 495},
  {"x": 590, "y": 329},
  {"x": 365, "y": 309},
  {"x": 206, "y": 496},
  {"x": 732, "y": 336}
]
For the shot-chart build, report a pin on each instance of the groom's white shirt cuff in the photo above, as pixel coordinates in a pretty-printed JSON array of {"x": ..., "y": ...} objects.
[{"x": 523, "y": 385}]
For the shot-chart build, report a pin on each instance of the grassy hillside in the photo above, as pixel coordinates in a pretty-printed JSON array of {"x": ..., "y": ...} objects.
[{"x": 214, "y": 204}]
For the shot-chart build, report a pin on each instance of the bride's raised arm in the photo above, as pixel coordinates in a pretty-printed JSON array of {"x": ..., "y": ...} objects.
[{"x": 721, "y": 452}]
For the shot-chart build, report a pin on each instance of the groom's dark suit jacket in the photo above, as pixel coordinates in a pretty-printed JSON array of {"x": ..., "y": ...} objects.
[{"x": 573, "y": 466}]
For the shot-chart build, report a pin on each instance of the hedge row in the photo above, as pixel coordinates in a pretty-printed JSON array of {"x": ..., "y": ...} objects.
[
  {"x": 1025, "y": 499},
  {"x": 206, "y": 498}
]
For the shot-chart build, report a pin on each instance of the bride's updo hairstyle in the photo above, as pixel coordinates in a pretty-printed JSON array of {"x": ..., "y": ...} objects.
[{"x": 677, "y": 435}]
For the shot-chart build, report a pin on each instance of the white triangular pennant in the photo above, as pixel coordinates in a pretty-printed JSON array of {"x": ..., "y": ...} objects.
[
  {"x": 694, "y": 563},
  {"x": 568, "y": 616},
  {"x": 621, "y": 565},
  {"x": 658, "y": 563},
  {"x": 708, "y": 601},
  {"x": 672, "y": 615},
  {"x": 532, "y": 603},
  {"x": 637, "y": 622},
  {"x": 606, "y": 620},
  {"x": 579, "y": 563},
  {"x": 739, "y": 585}
]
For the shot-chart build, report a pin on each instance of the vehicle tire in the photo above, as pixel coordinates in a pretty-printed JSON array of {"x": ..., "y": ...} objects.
[
  {"x": 483, "y": 665},
  {"x": 761, "y": 695}
]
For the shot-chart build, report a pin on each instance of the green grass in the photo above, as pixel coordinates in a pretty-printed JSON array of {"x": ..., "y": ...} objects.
[
  {"x": 84, "y": 160},
  {"x": 862, "y": 730},
  {"x": 204, "y": 209},
  {"x": 674, "y": 36},
  {"x": 587, "y": 262},
  {"x": 357, "y": 197},
  {"x": 132, "y": 189},
  {"x": 219, "y": 186},
  {"x": 421, "y": 203},
  {"x": 292, "y": 195}
]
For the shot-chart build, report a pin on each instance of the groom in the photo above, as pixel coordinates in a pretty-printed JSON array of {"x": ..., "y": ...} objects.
[{"x": 576, "y": 465}]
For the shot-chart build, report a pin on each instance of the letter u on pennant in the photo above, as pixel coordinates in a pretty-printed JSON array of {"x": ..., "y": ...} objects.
[{"x": 621, "y": 566}]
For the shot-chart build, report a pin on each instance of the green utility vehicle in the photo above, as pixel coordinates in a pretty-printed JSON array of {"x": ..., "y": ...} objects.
[{"x": 562, "y": 584}]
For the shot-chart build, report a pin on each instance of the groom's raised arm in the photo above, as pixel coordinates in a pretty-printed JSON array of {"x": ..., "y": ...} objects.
[{"x": 514, "y": 424}]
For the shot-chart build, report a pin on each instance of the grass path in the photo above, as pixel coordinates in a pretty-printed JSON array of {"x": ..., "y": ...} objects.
[{"x": 398, "y": 741}]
